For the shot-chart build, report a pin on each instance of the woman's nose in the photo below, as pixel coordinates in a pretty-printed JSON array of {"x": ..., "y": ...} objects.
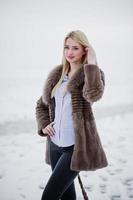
[{"x": 70, "y": 52}]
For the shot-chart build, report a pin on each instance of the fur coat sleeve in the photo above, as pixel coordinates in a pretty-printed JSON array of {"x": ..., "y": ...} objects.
[
  {"x": 42, "y": 116},
  {"x": 94, "y": 83}
]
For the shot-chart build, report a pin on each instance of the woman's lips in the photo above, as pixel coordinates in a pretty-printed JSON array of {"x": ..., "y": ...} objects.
[{"x": 70, "y": 57}]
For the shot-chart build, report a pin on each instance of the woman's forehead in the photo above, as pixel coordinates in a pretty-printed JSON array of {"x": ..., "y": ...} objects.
[{"x": 71, "y": 41}]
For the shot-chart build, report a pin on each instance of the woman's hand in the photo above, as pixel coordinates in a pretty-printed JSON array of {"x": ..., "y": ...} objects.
[
  {"x": 91, "y": 55},
  {"x": 49, "y": 129}
]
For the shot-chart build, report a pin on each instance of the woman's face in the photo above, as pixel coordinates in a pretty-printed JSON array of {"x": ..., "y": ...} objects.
[{"x": 73, "y": 51}]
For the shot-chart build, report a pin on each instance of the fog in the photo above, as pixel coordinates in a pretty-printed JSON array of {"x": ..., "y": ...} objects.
[{"x": 31, "y": 44}]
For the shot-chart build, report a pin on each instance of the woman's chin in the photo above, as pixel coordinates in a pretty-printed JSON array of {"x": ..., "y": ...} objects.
[{"x": 71, "y": 61}]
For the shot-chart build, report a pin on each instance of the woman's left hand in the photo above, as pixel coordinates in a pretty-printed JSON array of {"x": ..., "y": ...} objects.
[{"x": 91, "y": 55}]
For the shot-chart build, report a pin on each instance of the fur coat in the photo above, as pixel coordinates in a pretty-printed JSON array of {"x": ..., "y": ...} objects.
[{"x": 86, "y": 86}]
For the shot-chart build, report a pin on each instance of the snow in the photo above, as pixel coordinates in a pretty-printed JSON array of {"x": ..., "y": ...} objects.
[{"x": 24, "y": 173}]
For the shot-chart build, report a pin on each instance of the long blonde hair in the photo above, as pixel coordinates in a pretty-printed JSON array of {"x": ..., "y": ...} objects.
[{"x": 81, "y": 38}]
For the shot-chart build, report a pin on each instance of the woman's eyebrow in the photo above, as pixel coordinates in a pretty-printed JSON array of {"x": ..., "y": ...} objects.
[{"x": 72, "y": 46}]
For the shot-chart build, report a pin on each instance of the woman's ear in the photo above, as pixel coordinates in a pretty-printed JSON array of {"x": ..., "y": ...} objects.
[{"x": 84, "y": 51}]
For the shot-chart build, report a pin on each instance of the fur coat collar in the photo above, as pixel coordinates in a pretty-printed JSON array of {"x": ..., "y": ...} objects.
[{"x": 74, "y": 82}]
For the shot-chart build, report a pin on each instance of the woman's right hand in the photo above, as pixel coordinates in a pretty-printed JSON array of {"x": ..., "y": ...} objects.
[{"x": 49, "y": 129}]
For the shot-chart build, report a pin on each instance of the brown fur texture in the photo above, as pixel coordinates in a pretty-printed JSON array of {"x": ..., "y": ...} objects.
[{"x": 86, "y": 86}]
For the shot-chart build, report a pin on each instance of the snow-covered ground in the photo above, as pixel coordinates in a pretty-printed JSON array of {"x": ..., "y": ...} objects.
[{"x": 23, "y": 172}]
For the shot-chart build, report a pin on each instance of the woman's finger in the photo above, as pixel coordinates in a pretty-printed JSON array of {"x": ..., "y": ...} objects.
[
  {"x": 51, "y": 130},
  {"x": 52, "y": 123},
  {"x": 87, "y": 48}
]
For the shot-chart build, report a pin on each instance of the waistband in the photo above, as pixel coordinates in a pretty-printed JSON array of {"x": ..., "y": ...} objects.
[{"x": 63, "y": 148}]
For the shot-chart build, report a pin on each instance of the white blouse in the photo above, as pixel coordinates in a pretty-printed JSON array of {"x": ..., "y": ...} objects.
[{"x": 64, "y": 129}]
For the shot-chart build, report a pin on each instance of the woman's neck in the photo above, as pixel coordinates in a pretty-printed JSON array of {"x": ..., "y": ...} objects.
[{"x": 73, "y": 68}]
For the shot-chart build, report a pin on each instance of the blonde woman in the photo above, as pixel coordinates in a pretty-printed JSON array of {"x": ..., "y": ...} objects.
[{"x": 64, "y": 115}]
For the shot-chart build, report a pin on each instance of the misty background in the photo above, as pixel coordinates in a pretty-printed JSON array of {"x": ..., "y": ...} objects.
[{"x": 31, "y": 44}]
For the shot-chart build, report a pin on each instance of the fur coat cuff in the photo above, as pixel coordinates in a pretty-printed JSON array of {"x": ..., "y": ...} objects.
[{"x": 94, "y": 83}]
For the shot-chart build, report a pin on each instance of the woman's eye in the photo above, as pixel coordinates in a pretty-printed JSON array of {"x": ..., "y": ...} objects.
[{"x": 76, "y": 48}]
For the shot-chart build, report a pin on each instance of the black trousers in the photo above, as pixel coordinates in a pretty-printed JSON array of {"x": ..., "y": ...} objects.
[{"x": 61, "y": 182}]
